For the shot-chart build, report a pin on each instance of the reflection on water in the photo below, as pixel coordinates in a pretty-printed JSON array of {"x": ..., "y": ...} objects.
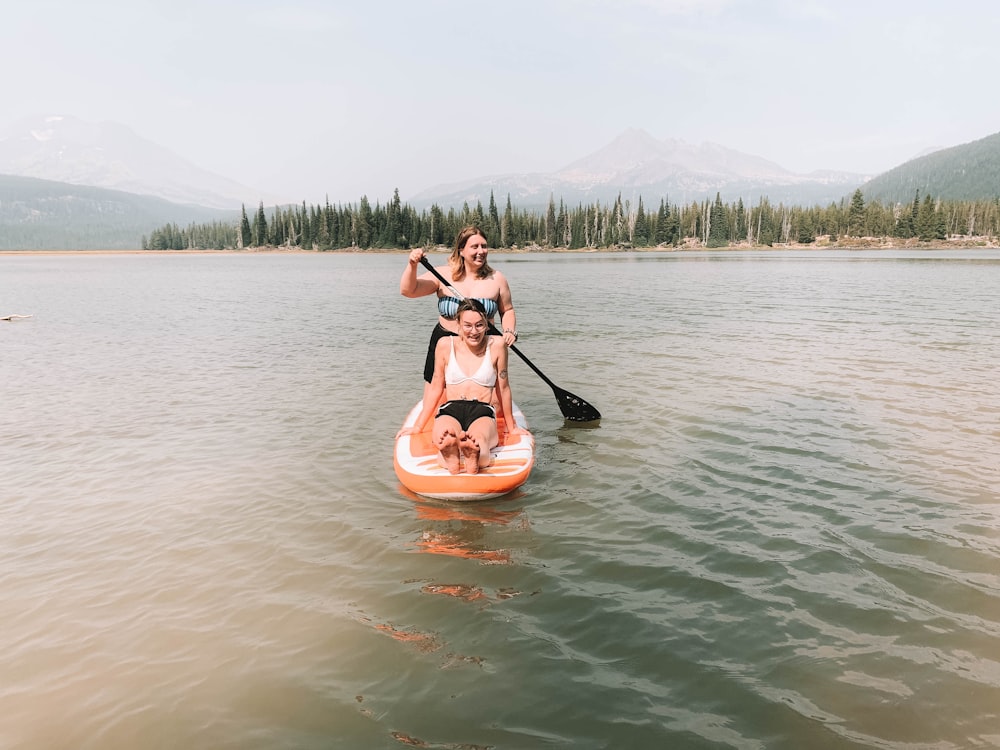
[
  {"x": 462, "y": 530},
  {"x": 462, "y": 591},
  {"x": 422, "y": 642}
]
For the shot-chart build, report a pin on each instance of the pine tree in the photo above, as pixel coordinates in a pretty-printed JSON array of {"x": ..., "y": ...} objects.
[
  {"x": 493, "y": 226},
  {"x": 306, "y": 225},
  {"x": 292, "y": 238},
  {"x": 393, "y": 221},
  {"x": 765, "y": 231},
  {"x": 577, "y": 229},
  {"x": 332, "y": 219},
  {"x": 365, "y": 224},
  {"x": 617, "y": 223},
  {"x": 562, "y": 225},
  {"x": 940, "y": 224},
  {"x": 662, "y": 235},
  {"x": 506, "y": 225},
  {"x": 806, "y": 233},
  {"x": 741, "y": 221},
  {"x": 640, "y": 232},
  {"x": 276, "y": 229},
  {"x": 550, "y": 223},
  {"x": 408, "y": 227},
  {"x": 903, "y": 227},
  {"x": 926, "y": 222},
  {"x": 856, "y": 215},
  {"x": 718, "y": 229},
  {"x": 258, "y": 237},
  {"x": 437, "y": 225},
  {"x": 244, "y": 236}
]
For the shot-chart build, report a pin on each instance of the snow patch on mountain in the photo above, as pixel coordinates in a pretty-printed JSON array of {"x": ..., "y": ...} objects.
[{"x": 109, "y": 155}]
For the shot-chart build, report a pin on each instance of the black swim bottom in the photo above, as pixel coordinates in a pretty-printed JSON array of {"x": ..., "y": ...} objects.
[
  {"x": 438, "y": 332},
  {"x": 466, "y": 412}
]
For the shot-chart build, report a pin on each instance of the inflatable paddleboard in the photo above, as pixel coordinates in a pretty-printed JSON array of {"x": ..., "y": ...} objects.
[{"x": 416, "y": 463}]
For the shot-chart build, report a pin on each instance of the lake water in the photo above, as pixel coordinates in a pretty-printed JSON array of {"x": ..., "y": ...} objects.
[{"x": 785, "y": 532}]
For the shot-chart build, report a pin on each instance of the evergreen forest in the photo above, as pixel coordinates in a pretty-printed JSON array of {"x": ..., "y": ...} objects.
[
  {"x": 967, "y": 172},
  {"x": 708, "y": 223}
]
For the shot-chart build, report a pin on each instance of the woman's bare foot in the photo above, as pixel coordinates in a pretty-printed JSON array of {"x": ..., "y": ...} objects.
[
  {"x": 447, "y": 444},
  {"x": 470, "y": 453}
]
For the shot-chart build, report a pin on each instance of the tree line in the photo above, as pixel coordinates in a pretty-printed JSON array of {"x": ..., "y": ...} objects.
[{"x": 396, "y": 225}]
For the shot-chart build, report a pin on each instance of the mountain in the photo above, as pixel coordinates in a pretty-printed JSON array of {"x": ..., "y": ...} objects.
[
  {"x": 967, "y": 172},
  {"x": 636, "y": 163},
  {"x": 109, "y": 155},
  {"x": 44, "y": 215}
]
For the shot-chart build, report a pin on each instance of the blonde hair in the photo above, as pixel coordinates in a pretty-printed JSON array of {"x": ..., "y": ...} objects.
[{"x": 458, "y": 262}]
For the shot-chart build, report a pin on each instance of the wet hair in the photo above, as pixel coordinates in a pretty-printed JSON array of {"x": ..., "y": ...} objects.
[{"x": 458, "y": 262}]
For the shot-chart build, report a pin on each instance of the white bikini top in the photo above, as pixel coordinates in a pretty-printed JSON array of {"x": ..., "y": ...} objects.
[{"x": 485, "y": 376}]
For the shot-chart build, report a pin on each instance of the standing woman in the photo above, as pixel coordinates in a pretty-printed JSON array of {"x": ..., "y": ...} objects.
[{"x": 470, "y": 274}]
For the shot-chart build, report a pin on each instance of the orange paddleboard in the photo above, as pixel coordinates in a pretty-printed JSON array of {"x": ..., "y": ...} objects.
[{"x": 416, "y": 462}]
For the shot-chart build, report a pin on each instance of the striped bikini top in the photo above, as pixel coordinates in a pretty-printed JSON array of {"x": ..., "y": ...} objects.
[
  {"x": 448, "y": 307},
  {"x": 485, "y": 375}
]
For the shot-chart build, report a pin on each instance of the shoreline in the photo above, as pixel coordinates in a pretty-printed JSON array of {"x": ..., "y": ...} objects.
[{"x": 857, "y": 243}]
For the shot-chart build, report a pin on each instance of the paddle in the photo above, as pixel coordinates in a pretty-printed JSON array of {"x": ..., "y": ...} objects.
[{"x": 573, "y": 408}]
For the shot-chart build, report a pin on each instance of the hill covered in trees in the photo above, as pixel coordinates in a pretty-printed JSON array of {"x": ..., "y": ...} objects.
[
  {"x": 396, "y": 225},
  {"x": 963, "y": 173},
  {"x": 45, "y": 215}
]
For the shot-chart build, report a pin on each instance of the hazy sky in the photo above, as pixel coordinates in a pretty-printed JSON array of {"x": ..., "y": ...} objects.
[{"x": 304, "y": 98}]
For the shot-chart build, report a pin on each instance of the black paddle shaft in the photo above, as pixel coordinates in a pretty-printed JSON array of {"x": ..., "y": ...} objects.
[{"x": 573, "y": 408}]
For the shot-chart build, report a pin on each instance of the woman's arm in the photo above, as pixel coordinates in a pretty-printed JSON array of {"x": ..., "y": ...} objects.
[
  {"x": 508, "y": 318},
  {"x": 504, "y": 392},
  {"x": 410, "y": 285},
  {"x": 433, "y": 392}
]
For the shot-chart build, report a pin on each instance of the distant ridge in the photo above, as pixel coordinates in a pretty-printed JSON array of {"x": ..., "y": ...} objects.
[
  {"x": 637, "y": 164},
  {"x": 967, "y": 172},
  {"x": 110, "y": 155},
  {"x": 45, "y": 215}
]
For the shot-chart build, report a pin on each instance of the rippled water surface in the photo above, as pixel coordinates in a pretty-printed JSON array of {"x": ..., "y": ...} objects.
[{"x": 785, "y": 533}]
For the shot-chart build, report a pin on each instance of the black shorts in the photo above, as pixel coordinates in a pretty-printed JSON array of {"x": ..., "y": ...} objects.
[
  {"x": 466, "y": 412},
  {"x": 439, "y": 332}
]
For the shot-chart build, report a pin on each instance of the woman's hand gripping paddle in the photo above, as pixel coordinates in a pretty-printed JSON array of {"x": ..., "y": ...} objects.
[{"x": 573, "y": 408}]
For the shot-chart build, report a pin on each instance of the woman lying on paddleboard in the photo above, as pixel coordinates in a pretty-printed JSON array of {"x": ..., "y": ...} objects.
[{"x": 467, "y": 369}]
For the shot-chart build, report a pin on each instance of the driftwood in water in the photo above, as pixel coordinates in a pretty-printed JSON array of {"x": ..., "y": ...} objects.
[{"x": 14, "y": 317}]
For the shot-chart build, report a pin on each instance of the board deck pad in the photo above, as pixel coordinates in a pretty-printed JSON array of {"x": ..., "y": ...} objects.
[{"x": 416, "y": 464}]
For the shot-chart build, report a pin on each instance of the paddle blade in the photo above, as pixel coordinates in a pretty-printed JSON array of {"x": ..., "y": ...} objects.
[{"x": 574, "y": 408}]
